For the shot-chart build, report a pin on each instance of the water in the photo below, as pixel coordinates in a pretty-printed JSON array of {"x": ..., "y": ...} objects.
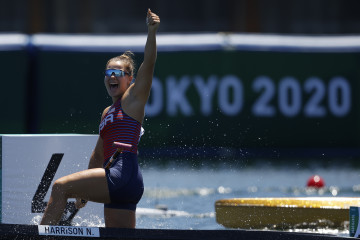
[{"x": 194, "y": 190}]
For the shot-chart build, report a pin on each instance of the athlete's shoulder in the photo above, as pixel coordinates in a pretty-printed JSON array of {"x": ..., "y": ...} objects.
[{"x": 105, "y": 111}]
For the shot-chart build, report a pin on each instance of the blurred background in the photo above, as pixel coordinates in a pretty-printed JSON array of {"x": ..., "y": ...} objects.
[
  {"x": 234, "y": 78},
  {"x": 235, "y": 81},
  {"x": 116, "y": 16}
]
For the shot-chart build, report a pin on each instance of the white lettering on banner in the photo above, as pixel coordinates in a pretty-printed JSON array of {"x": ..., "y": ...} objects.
[
  {"x": 316, "y": 89},
  {"x": 176, "y": 97},
  {"x": 288, "y": 97},
  {"x": 339, "y": 105},
  {"x": 68, "y": 231},
  {"x": 234, "y": 107},
  {"x": 206, "y": 92},
  {"x": 262, "y": 106}
]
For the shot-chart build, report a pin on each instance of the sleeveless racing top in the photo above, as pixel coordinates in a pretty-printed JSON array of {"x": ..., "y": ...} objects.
[{"x": 117, "y": 126}]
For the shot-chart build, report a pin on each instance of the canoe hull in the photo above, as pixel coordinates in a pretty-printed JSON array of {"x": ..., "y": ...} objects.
[{"x": 282, "y": 213}]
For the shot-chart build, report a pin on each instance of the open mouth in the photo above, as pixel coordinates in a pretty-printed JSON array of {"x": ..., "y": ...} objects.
[{"x": 114, "y": 86}]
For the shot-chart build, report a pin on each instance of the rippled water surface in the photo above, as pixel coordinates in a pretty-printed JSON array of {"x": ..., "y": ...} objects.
[{"x": 190, "y": 191}]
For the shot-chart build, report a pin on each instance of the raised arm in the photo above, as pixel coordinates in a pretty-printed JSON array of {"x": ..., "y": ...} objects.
[{"x": 142, "y": 85}]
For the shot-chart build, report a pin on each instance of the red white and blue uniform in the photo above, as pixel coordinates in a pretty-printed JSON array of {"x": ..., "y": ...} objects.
[{"x": 124, "y": 177}]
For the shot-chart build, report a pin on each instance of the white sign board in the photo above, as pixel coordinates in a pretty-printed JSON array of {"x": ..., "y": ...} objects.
[
  {"x": 68, "y": 231},
  {"x": 24, "y": 161}
]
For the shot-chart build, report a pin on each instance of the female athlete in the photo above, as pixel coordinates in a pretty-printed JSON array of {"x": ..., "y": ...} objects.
[{"x": 119, "y": 187}]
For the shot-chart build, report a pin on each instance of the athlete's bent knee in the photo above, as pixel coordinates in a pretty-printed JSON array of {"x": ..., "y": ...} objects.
[{"x": 59, "y": 188}]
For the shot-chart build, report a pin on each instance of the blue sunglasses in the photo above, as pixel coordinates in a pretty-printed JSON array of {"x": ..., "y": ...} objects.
[{"x": 116, "y": 72}]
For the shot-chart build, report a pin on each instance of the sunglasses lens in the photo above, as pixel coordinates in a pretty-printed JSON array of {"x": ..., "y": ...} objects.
[
  {"x": 118, "y": 73},
  {"x": 108, "y": 72}
]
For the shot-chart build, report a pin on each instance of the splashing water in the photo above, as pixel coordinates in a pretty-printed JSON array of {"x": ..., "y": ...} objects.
[{"x": 189, "y": 195}]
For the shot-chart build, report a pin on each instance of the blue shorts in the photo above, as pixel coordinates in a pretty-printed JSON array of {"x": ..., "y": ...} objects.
[{"x": 125, "y": 182}]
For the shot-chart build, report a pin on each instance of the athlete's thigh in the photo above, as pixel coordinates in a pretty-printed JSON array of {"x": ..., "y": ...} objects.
[
  {"x": 119, "y": 218},
  {"x": 90, "y": 184}
]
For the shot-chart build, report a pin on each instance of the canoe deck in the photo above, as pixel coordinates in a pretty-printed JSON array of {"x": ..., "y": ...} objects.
[{"x": 259, "y": 213}]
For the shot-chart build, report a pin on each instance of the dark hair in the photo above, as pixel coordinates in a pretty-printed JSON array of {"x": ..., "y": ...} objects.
[{"x": 128, "y": 58}]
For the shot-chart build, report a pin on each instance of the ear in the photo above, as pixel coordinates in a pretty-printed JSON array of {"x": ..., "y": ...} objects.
[{"x": 130, "y": 79}]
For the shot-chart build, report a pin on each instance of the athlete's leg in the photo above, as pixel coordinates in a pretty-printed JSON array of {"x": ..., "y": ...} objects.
[
  {"x": 89, "y": 184},
  {"x": 119, "y": 218}
]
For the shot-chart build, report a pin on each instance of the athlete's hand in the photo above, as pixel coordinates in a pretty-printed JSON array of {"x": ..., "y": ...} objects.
[
  {"x": 152, "y": 20},
  {"x": 80, "y": 203}
]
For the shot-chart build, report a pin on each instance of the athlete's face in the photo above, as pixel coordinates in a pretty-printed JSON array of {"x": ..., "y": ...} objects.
[{"x": 116, "y": 86}]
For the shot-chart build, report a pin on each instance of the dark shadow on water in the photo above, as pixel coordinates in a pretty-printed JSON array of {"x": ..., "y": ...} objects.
[
  {"x": 242, "y": 163},
  {"x": 220, "y": 157}
]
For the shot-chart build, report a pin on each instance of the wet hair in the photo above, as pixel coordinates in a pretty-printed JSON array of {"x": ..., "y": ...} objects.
[{"x": 127, "y": 58}]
